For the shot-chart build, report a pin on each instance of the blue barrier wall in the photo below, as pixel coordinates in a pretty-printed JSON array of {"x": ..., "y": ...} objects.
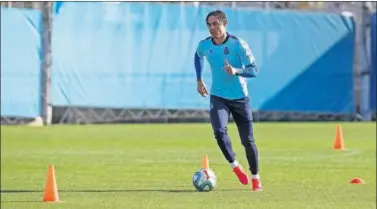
[
  {"x": 373, "y": 55},
  {"x": 20, "y": 62},
  {"x": 141, "y": 55}
]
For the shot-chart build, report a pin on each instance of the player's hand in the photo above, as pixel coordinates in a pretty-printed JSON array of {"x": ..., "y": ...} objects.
[
  {"x": 202, "y": 88},
  {"x": 229, "y": 69}
]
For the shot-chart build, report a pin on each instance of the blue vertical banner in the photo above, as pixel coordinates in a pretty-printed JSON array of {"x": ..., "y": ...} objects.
[
  {"x": 21, "y": 60},
  {"x": 140, "y": 55},
  {"x": 373, "y": 55}
]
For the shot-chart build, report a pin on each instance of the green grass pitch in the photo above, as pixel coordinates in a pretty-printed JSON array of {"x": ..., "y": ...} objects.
[{"x": 151, "y": 166}]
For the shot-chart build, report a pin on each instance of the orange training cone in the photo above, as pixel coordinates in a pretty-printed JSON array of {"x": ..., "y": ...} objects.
[
  {"x": 205, "y": 163},
  {"x": 51, "y": 189},
  {"x": 357, "y": 181},
  {"x": 338, "y": 141}
]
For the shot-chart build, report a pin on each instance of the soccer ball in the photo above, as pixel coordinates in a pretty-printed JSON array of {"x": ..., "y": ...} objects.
[{"x": 204, "y": 180}]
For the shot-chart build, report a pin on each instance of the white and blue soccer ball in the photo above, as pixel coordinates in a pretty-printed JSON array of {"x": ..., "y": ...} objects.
[{"x": 204, "y": 180}]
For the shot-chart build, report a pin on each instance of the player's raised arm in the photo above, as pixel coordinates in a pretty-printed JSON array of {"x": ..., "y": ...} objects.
[{"x": 250, "y": 70}]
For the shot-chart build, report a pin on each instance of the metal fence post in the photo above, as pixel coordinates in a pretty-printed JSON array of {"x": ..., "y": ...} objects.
[{"x": 46, "y": 108}]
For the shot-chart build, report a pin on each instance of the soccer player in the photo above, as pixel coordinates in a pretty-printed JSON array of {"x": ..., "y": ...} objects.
[{"x": 231, "y": 62}]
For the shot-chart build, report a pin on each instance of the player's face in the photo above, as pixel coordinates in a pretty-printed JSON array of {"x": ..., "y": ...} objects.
[{"x": 215, "y": 27}]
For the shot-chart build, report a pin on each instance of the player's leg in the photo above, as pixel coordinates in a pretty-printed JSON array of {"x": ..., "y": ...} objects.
[
  {"x": 219, "y": 115},
  {"x": 242, "y": 115}
]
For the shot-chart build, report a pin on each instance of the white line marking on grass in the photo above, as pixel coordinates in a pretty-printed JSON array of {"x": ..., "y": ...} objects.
[{"x": 266, "y": 154}]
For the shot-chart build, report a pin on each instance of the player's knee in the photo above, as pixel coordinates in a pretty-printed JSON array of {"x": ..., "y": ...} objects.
[
  {"x": 248, "y": 141},
  {"x": 220, "y": 134}
]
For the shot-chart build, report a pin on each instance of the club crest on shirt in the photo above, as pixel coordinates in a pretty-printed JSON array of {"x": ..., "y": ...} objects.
[{"x": 226, "y": 50}]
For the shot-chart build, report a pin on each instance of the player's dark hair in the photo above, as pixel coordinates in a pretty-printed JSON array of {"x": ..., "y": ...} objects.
[{"x": 220, "y": 15}]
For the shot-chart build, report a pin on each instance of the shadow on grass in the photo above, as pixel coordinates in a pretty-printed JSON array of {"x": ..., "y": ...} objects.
[
  {"x": 118, "y": 190},
  {"x": 103, "y": 191},
  {"x": 25, "y": 201}
]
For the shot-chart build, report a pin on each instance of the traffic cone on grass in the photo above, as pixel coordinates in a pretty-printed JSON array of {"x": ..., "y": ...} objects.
[
  {"x": 51, "y": 188},
  {"x": 338, "y": 140},
  {"x": 205, "y": 162}
]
